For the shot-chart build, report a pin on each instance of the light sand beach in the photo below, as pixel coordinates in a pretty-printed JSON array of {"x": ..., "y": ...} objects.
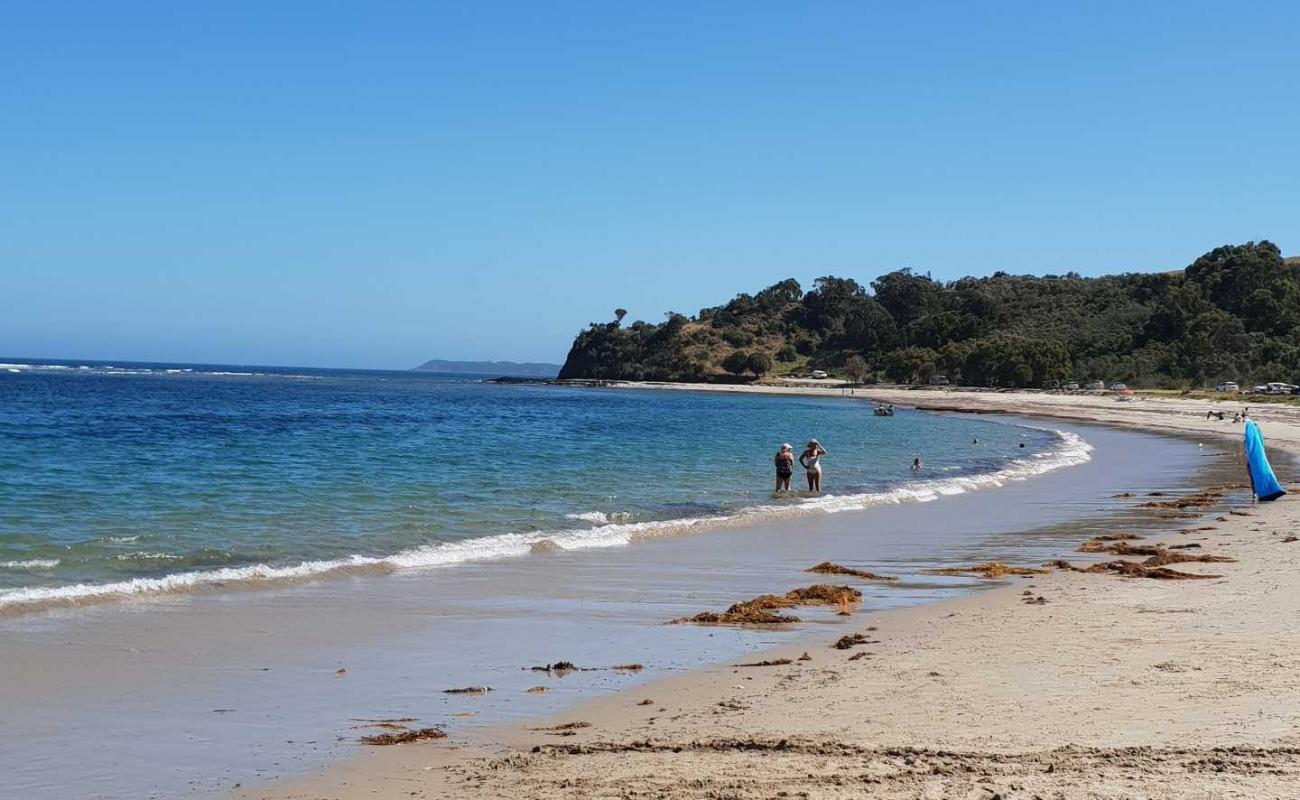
[{"x": 1108, "y": 686}]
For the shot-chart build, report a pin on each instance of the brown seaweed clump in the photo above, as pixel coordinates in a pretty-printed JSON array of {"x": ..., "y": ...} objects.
[
  {"x": 1203, "y": 499},
  {"x": 829, "y": 568},
  {"x": 849, "y": 640},
  {"x": 740, "y": 614},
  {"x": 1117, "y": 548},
  {"x": 1164, "y": 557},
  {"x": 1132, "y": 569},
  {"x": 404, "y": 737},
  {"x": 774, "y": 662},
  {"x": 991, "y": 570},
  {"x": 824, "y": 594},
  {"x": 761, "y": 610}
]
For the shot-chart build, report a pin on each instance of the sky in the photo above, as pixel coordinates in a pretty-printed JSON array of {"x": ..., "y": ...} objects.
[{"x": 376, "y": 184}]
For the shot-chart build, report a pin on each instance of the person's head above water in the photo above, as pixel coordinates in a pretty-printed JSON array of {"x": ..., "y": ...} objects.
[
  {"x": 813, "y": 444},
  {"x": 786, "y": 446}
]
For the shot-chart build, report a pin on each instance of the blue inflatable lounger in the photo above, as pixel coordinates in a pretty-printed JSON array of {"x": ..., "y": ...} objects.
[{"x": 1262, "y": 480}]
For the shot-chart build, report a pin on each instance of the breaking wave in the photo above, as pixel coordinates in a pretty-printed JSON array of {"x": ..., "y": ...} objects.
[{"x": 1071, "y": 450}]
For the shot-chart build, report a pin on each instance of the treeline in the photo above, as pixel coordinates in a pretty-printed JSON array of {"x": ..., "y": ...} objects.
[{"x": 1233, "y": 314}]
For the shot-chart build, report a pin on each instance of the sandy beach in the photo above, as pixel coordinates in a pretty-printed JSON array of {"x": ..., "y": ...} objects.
[{"x": 1065, "y": 684}]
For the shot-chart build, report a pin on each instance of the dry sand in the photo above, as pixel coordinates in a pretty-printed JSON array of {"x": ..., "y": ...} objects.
[{"x": 1111, "y": 687}]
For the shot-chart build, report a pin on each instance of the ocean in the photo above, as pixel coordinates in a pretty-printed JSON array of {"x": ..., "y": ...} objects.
[
  {"x": 208, "y": 575},
  {"x": 128, "y": 480}
]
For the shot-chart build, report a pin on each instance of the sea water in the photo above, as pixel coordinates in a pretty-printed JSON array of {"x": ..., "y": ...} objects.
[
  {"x": 214, "y": 575},
  {"x": 131, "y": 480}
]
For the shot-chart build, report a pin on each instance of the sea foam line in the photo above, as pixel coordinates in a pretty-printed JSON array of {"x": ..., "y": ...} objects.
[
  {"x": 1071, "y": 451},
  {"x": 31, "y": 563}
]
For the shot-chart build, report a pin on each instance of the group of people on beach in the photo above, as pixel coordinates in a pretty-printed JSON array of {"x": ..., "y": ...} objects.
[{"x": 810, "y": 458}]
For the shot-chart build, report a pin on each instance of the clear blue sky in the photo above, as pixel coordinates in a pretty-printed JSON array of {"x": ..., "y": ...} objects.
[{"x": 374, "y": 184}]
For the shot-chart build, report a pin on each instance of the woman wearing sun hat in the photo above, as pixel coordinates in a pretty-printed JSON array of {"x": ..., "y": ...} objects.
[{"x": 811, "y": 460}]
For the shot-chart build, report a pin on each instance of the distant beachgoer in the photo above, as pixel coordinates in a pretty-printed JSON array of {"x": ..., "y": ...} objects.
[
  {"x": 784, "y": 467},
  {"x": 1022, "y": 445},
  {"x": 811, "y": 460},
  {"x": 916, "y": 464},
  {"x": 974, "y": 441}
]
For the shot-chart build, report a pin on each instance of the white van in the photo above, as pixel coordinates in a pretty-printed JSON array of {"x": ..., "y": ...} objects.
[{"x": 820, "y": 374}]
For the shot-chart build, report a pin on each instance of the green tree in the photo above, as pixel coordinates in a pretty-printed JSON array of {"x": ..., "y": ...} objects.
[
  {"x": 736, "y": 363},
  {"x": 759, "y": 363},
  {"x": 907, "y": 364}
]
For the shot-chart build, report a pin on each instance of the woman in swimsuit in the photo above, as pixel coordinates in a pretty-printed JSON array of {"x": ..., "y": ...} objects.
[
  {"x": 810, "y": 458},
  {"x": 784, "y": 467}
]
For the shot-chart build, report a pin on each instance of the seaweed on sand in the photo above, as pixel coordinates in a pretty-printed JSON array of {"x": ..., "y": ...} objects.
[
  {"x": 775, "y": 662},
  {"x": 1203, "y": 499},
  {"x": 1132, "y": 569},
  {"x": 740, "y": 614},
  {"x": 404, "y": 736},
  {"x": 824, "y": 594},
  {"x": 1164, "y": 557},
  {"x": 849, "y": 640},
  {"x": 1117, "y": 548},
  {"x": 759, "y": 610},
  {"x": 829, "y": 568},
  {"x": 468, "y": 690},
  {"x": 991, "y": 569}
]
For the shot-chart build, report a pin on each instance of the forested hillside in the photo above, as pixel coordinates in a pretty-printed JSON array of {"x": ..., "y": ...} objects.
[{"x": 1233, "y": 314}]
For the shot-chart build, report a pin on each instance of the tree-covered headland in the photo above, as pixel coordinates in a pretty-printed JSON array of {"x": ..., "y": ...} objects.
[{"x": 1233, "y": 314}]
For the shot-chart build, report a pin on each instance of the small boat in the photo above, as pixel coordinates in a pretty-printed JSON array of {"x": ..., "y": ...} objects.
[{"x": 884, "y": 411}]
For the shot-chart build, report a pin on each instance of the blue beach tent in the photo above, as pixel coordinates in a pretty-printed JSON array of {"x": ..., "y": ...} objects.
[{"x": 1262, "y": 480}]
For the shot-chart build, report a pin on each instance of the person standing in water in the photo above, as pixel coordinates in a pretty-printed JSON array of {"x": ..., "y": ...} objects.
[
  {"x": 916, "y": 464},
  {"x": 784, "y": 467},
  {"x": 811, "y": 460}
]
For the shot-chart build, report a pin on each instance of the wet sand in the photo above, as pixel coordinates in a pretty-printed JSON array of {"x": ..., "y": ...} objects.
[{"x": 1106, "y": 687}]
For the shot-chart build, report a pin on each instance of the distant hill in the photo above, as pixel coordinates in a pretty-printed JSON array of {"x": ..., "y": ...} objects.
[
  {"x": 513, "y": 369},
  {"x": 1233, "y": 314}
]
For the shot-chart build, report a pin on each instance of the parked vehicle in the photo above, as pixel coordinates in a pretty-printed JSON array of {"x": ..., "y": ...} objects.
[
  {"x": 1279, "y": 388},
  {"x": 938, "y": 380},
  {"x": 1118, "y": 386},
  {"x": 1227, "y": 386},
  {"x": 1071, "y": 385},
  {"x": 819, "y": 374},
  {"x": 1095, "y": 386}
]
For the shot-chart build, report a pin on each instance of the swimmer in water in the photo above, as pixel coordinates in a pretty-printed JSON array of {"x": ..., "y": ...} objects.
[
  {"x": 811, "y": 460},
  {"x": 916, "y": 464},
  {"x": 784, "y": 467}
]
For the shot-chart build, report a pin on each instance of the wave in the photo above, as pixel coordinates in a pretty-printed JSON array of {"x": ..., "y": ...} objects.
[
  {"x": 32, "y": 563},
  {"x": 108, "y": 369},
  {"x": 1072, "y": 450},
  {"x": 595, "y": 517}
]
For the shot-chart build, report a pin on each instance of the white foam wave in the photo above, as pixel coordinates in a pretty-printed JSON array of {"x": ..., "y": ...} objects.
[
  {"x": 1072, "y": 450},
  {"x": 32, "y": 563},
  {"x": 597, "y": 517}
]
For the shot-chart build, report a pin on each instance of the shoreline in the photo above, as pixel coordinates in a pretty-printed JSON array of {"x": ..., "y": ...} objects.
[
  {"x": 700, "y": 739},
  {"x": 1067, "y": 452}
]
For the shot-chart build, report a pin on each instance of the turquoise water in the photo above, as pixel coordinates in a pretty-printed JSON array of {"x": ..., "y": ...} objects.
[{"x": 137, "y": 479}]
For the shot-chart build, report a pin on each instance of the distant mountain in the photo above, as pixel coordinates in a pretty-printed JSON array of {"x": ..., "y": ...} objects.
[{"x": 513, "y": 369}]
